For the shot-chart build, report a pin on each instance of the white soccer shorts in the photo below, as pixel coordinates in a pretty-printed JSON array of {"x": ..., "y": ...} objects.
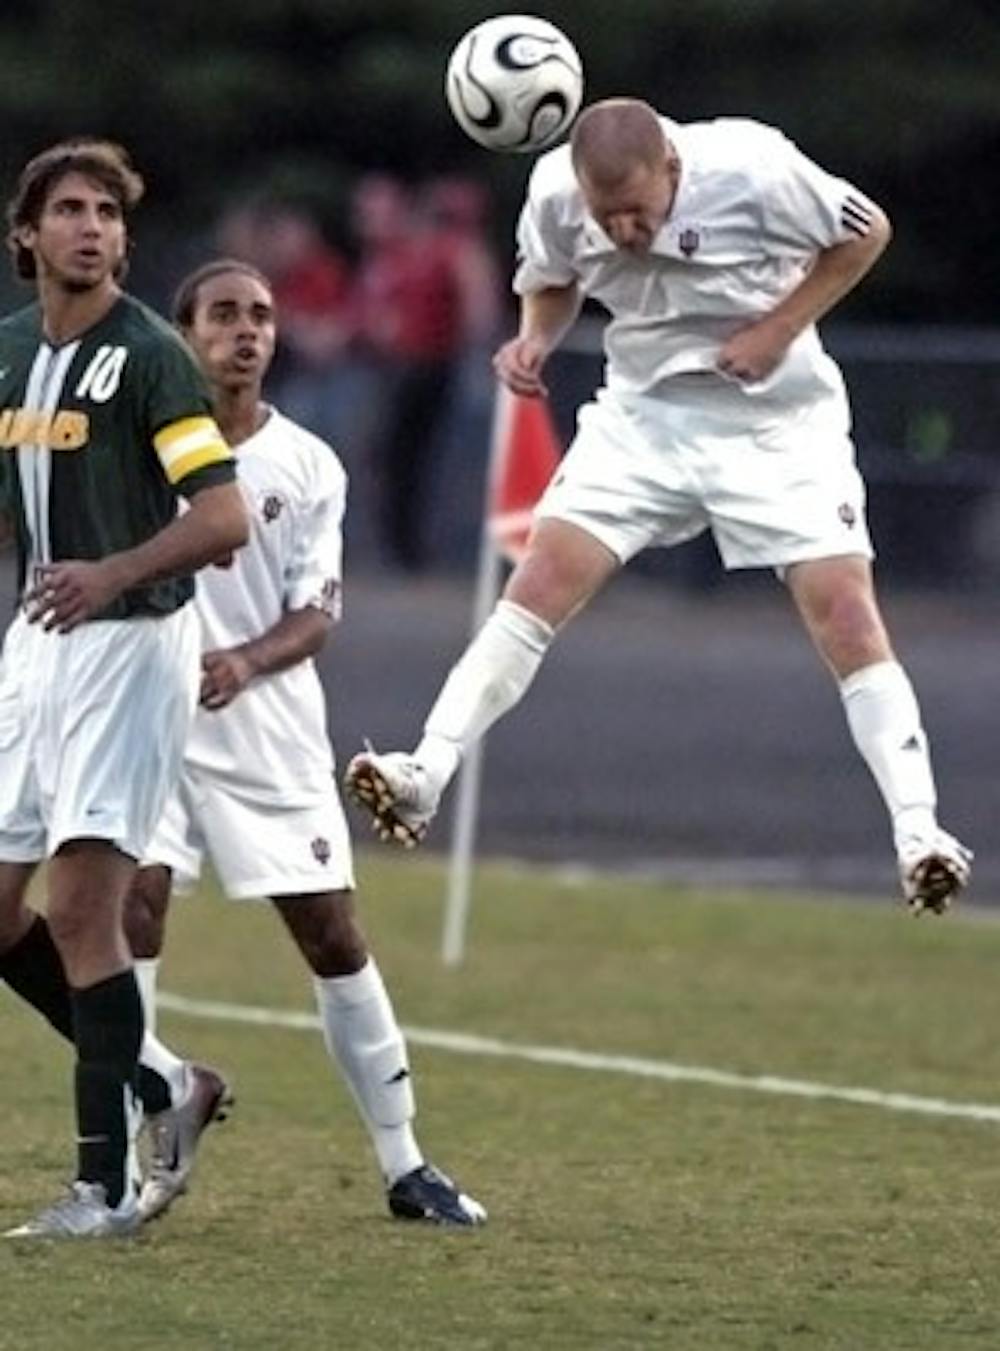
[
  {"x": 93, "y": 725},
  {"x": 257, "y": 849},
  {"x": 774, "y": 487}
]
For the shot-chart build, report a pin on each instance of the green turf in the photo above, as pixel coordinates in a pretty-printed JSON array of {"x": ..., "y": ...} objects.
[{"x": 625, "y": 1213}]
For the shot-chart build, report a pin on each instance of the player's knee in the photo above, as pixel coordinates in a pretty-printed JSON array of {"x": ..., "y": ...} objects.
[
  {"x": 340, "y": 950},
  {"x": 563, "y": 568},
  {"x": 852, "y": 633},
  {"x": 327, "y": 933},
  {"x": 72, "y": 921}
]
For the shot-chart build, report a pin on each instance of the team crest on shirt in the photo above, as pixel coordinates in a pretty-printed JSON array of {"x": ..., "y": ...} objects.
[
  {"x": 689, "y": 241},
  {"x": 847, "y": 514},
  {"x": 321, "y": 850},
  {"x": 272, "y": 504}
]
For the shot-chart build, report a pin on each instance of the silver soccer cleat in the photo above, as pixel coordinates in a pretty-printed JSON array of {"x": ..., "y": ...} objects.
[
  {"x": 395, "y": 789},
  {"x": 174, "y": 1138},
  {"x": 83, "y": 1213},
  {"x": 933, "y": 872}
]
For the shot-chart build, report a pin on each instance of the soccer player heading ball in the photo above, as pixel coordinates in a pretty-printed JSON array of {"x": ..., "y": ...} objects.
[{"x": 715, "y": 247}]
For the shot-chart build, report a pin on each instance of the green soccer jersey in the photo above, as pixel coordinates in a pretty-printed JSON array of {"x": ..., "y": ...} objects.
[{"x": 97, "y": 438}]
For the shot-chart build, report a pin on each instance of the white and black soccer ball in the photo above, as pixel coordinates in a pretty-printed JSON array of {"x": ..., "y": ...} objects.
[{"x": 514, "y": 82}]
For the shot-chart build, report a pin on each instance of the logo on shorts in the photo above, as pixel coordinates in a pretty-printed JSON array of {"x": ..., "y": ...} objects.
[
  {"x": 321, "y": 850},
  {"x": 847, "y": 514},
  {"x": 689, "y": 242},
  {"x": 272, "y": 504}
]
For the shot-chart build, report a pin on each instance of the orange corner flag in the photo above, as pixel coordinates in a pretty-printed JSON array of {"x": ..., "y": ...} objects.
[{"x": 525, "y": 454}]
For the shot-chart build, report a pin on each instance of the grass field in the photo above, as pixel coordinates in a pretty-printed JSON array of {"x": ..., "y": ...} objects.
[{"x": 626, "y": 1211}]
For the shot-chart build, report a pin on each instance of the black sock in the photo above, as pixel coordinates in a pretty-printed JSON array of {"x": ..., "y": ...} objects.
[
  {"x": 108, "y": 1021},
  {"x": 34, "y": 970}
]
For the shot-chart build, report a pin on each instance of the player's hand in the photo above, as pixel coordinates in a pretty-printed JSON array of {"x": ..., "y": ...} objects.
[
  {"x": 518, "y": 364},
  {"x": 225, "y": 672},
  {"x": 64, "y": 595},
  {"x": 754, "y": 352}
]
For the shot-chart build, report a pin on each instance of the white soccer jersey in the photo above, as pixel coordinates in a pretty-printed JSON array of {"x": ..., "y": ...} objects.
[
  {"x": 273, "y": 738},
  {"x": 750, "y": 215}
]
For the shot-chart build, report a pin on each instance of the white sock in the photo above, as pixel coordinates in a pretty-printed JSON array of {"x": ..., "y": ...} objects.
[
  {"x": 133, "y": 1168},
  {"x": 162, "y": 1061},
  {"x": 884, "y": 718},
  {"x": 486, "y": 682},
  {"x": 146, "y": 973},
  {"x": 363, "y": 1039}
]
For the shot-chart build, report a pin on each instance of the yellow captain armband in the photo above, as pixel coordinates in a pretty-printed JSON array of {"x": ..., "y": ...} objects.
[{"x": 190, "y": 444}]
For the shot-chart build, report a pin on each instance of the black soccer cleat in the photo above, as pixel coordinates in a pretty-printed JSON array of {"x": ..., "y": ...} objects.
[{"x": 426, "y": 1194}]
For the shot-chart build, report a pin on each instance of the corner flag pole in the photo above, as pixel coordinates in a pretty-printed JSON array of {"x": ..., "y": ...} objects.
[
  {"x": 524, "y": 452},
  {"x": 466, "y": 818}
]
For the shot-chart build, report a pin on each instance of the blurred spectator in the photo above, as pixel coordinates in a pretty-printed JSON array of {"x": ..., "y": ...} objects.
[
  {"x": 426, "y": 293},
  {"x": 457, "y": 209}
]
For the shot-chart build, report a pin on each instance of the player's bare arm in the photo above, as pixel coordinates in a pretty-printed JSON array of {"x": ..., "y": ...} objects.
[
  {"x": 546, "y": 317},
  {"x": 67, "y": 593},
  {"x": 297, "y": 636},
  {"x": 755, "y": 351}
]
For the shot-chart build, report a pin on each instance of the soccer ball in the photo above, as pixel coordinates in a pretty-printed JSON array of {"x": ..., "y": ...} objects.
[{"x": 514, "y": 83}]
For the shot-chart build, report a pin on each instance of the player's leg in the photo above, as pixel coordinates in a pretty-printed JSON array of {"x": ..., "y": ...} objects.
[
  {"x": 173, "y": 857},
  {"x": 167, "y": 1082},
  {"x": 87, "y": 881},
  {"x": 614, "y": 493},
  {"x": 792, "y": 498},
  {"x": 837, "y": 601},
  {"x": 116, "y": 709},
  {"x": 30, "y": 963},
  {"x": 364, "y": 1040},
  {"x": 145, "y": 921},
  {"x": 29, "y": 960},
  {"x": 181, "y": 1098},
  {"x": 563, "y": 568}
]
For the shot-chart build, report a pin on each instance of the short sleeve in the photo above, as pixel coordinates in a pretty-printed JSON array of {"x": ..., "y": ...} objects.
[
  {"x": 544, "y": 250},
  {"x": 314, "y": 573},
  {"x": 178, "y": 412},
  {"x": 807, "y": 207}
]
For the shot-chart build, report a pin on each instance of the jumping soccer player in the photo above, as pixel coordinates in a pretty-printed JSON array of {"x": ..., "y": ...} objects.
[{"x": 715, "y": 247}]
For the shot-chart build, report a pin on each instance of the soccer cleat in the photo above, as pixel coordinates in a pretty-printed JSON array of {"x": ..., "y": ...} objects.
[
  {"x": 83, "y": 1213},
  {"x": 933, "y": 872},
  {"x": 396, "y": 790},
  {"x": 426, "y": 1194},
  {"x": 174, "y": 1138}
]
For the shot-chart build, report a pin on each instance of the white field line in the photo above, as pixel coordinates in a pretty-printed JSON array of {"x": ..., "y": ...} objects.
[{"x": 462, "y": 1043}]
